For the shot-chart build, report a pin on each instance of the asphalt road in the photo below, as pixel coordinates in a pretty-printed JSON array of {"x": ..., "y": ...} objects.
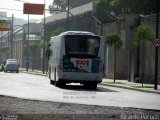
[{"x": 34, "y": 87}]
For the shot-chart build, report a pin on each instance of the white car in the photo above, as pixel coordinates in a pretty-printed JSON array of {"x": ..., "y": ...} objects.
[{"x": 11, "y": 65}]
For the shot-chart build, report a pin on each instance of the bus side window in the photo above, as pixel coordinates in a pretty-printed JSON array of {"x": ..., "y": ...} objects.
[{"x": 96, "y": 50}]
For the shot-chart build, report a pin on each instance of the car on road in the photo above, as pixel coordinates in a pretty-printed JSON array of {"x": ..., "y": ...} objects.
[{"x": 11, "y": 65}]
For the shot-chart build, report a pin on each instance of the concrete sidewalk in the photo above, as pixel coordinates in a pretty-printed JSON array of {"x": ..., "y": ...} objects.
[
  {"x": 131, "y": 85},
  {"x": 149, "y": 88},
  {"x": 35, "y": 72}
]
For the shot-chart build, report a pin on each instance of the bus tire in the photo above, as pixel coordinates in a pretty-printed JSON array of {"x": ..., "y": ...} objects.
[
  {"x": 56, "y": 84},
  {"x": 86, "y": 86},
  {"x": 62, "y": 83},
  {"x": 90, "y": 86},
  {"x": 94, "y": 86},
  {"x": 52, "y": 82}
]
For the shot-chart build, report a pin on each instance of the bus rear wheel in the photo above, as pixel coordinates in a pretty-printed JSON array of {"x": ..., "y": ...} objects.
[
  {"x": 94, "y": 86},
  {"x": 52, "y": 82},
  {"x": 60, "y": 83},
  {"x": 90, "y": 86}
]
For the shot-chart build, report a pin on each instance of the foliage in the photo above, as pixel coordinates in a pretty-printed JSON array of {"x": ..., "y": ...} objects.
[
  {"x": 34, "y": 47},
  {"x": 4, "y": 49},
  {"x": 146, "y": 86},
  {"x": 128, "y": 6},
  {"x": 114, "y": 39},
  {"x": 57, "y": 5},
  {"x": 143, "y": 34},
  {"x": 42, "y": 36},
  {"x": 62, "y": 5},
  {"x": 114, "y": 82},
  {"x": 41, "y": 45},
  {"x": 57, "y": 31}
]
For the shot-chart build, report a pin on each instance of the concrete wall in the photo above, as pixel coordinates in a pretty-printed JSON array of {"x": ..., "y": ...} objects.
[
  {"x": 83, "y": 22},
  {"x": 150, "y": 51},
  {"x": 127, "y": 57},
  {"x": 128, "y": 25},
  {"x": 122, "y": 54},
  {"x": 75, "y": 11}
]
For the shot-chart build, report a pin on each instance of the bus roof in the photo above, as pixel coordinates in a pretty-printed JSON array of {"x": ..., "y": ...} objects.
[{"x": 77, "y": 33}]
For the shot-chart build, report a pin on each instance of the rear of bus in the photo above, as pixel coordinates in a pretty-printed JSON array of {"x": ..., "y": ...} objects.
[{"x": 83, "y": 59}]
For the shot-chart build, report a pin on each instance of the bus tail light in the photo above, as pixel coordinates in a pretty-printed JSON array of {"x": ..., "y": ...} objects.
[
  {"x": 101, "y": 68},
  {"x": 60, "y": 67}
]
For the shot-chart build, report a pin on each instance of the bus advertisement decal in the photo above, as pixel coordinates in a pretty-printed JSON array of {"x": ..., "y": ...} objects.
[{"x": 77, "y": 65}]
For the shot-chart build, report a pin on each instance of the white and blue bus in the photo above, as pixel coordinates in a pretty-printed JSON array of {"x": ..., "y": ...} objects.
[{"x": 76, "y": 57}]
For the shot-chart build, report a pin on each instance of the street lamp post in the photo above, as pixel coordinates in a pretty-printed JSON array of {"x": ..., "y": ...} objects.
[
  {"x": 68, "y": 15},
  {"x": 44, "y": 44},
  {"x": 27, "y": 55},
  {"x": 156, "y": 48},
  {"x": 11, "y": 41}
]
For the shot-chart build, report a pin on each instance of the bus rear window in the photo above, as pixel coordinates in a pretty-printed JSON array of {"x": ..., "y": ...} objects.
[{"x": 82, "y": 45}]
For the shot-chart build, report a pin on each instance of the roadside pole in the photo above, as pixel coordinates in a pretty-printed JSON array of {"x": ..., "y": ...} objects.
[
  {"x": 44, "y": 42},
  {"x": 156, "y": 47},
  {"x": 27, "y": 56},
  {"x": 11, "y": 41},
  {"x": 68, "y": 15}
]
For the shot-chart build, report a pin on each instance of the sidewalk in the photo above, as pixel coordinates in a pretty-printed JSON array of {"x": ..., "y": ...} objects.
[
  {"x": 35, "y": 72},
  {"x": 149, "y": 88}
]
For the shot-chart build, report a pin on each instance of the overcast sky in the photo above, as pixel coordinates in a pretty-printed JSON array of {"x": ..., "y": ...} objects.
[{"x": 13, "y": 4}]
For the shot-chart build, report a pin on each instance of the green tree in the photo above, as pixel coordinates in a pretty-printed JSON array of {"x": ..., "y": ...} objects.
[
  {"x": 142, "y": 35},
  {"x": 41, "y": 45},
  {"x": 62, "y": 5},
  {"x": 57, "y": 31},
  {"x": 128, "y": 6},
  {"x": 34, "y": 47},
  {"x": 112, "y": 39},
  {"x": 5, "y": 51}
]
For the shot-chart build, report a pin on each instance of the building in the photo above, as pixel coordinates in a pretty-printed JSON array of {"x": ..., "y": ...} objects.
[
  {"x": 3, "y": 17},
  {"x": 20, "y": 46}
]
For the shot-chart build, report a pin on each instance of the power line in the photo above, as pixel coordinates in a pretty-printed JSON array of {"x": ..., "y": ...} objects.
[
  {"x": 10, "y": 9},
  {"x": 3, "y": 16}
]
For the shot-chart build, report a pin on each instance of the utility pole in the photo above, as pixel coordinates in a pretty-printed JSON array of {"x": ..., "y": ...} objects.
[
  {"x": 11, "y": 40},
  {"x": 156, "y": 47},
  {"x": 44, "y": 44},
  {"x": 68, "y": 15},
  {"x": 27, "y": 56}
]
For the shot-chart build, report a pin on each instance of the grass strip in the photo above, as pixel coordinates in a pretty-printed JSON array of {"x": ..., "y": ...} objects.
[
  {"x": 114, "y": 82},
  {"x": 145, "y": 86}
]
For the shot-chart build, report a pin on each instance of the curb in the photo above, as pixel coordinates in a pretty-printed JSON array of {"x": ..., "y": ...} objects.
[
  {"x": 130, "y": 88},
  {"x": 34, "y": 73}
]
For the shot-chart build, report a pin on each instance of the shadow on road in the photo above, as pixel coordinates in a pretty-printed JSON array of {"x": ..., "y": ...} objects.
[{"x": 81, "y": 88}]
